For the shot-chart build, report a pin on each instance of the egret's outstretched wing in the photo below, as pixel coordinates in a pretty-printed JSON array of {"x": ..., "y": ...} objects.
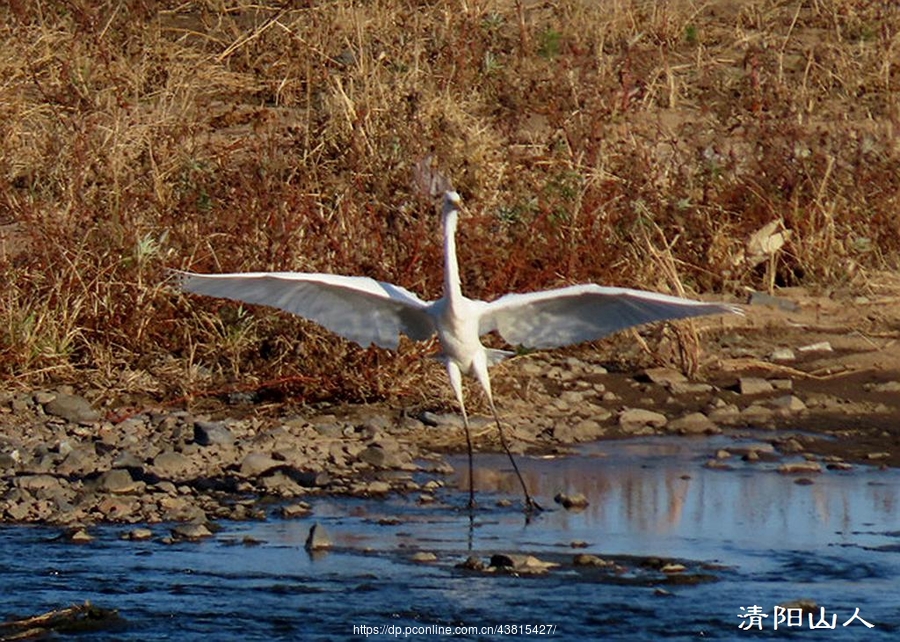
[
  {"x": 579, "y": 313},
  {"x": 355, "y": 307}
]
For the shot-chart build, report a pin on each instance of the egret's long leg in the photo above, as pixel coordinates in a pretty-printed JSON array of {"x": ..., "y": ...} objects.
[
  {"x": 530, "y": 504},
  {"x": 456, "y": 383},
  {"x": 483, "y": 378}
]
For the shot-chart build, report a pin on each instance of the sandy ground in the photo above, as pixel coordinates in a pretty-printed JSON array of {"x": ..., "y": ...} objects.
[{"x": 821, "y": 370}]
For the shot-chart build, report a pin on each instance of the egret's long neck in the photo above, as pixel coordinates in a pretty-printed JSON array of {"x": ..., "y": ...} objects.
[{"x": 452, "y": 288}]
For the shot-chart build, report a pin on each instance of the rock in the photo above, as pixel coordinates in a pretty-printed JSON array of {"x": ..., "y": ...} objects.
[
  {"x": 788, "y": 403},
  {"x": 377, "y": 488},
  {"x": 664, "y": 376},
  {"x": 750, "y": 450},
  {"x": 753, "y": 386},
  {"x": 635, "y": 419},
  {"x": 576, "y": 501},
  {"x": 472, "y": 563},
  {"x": 116, "y": 508},
  {"x": 586, "y": 559},
  {"x": 138, "y": 535},
  {"x": 762, "y": 298},
  {"x": 81, "y": 460},
  {"x": 292, "y": 511},
  {"x": 118, "y": 481},
  {"x": 725, "y": 413},
  {"x": 126, "y": 459},
  {"x": 584, "y": 430},
  {"x": 689, "y": 388},
  {"x": 888, "y": 386},
  {"x": 374, "y": 455},
  {"x": 673, "y": 567},
  {"x": 18, "y": 511},
  {"x": 192, "y": 532},
  {"x": 256, "y": 464},
  {"x": 42, "y": 397},
  {"x": 171, "y": 465},
  {"x": 790, "y": 445},
  {"x": 79, "y": 535},
  {"x": 424, "y": 557},
  {"x": 878, "y": 455},
  {"x": 280, "y": 482},
  {"x": 433, "y": 419},
  {"x": 72, "y": 408},
  {"x": 821, "y": 346},
  {"x": 525, "y": 564},
  {"x": 208, "y": 433},
  {"x": 800, "y": 467},
  {"x": 695, "y": 423},
  {"x": 40, "y": 485},
  {"x": 757, "y": 413},
  {"x": 317, "y": 539},
  {"x": 782, "y": 354}
]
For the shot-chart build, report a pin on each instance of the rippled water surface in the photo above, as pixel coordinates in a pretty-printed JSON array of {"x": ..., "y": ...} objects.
[{"x": 767, "y": 539}]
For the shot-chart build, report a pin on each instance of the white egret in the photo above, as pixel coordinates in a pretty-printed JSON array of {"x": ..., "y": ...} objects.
[{"x": 367, "y": 311}]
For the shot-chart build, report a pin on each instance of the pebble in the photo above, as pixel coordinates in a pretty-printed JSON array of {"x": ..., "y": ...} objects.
[
  {"x": 292, "y": 511},
  {"x": 888, "y": 386},
  {"x": 695, "y": 423},
  {"x": 171, "y": 465},
  {"x": 583, "y": 430},
  {"x": 800, "y": 467},
  {"x": 472, "y": 563},
  {"x": 689, "y": 388},
  {"x": 782, "y": 354},
  {"x": 115, "y": 508},
  {"x": 757, "y": 413},
  {"x": 523, "y": 564},
  {"x": 377, "y": 488},
  {"x": 664, "y": 376},
  {"x": 118, "y": 481},
  {"x": 587, "y": 559},
  {"x": 71, "y": 408},
  {"x": 576, "y": 501},
  {"x": 821, "y": 346},
  {"x": 208, "y": 433},
  {"x": 256, "y": 464},
  {"x": 191, "y": 532},
  {"x": 138, "y": 535},
  {"x": 754, "y": 386},
  {"x": 79, "y": 536},
  {"x": 788, "y": 403},
  {"x": 634, "y": 420}
]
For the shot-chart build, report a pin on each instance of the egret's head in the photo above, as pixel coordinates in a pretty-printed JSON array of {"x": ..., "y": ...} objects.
[{"x": 452, "y": 203}]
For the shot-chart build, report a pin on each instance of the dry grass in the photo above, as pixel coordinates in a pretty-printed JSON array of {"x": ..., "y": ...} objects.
[{"x": 591, "y": 139}]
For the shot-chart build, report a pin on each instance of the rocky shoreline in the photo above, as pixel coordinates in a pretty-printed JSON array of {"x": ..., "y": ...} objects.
[{"x": 63, "y": 463}]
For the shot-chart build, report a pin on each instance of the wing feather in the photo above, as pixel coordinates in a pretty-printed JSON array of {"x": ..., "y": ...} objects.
[
  {"x": 565, "y": 316},
  {"x": 357, "y": 308}
]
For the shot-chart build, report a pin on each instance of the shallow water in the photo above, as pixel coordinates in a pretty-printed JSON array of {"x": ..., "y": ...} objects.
[{"x": 835, "y": 542}]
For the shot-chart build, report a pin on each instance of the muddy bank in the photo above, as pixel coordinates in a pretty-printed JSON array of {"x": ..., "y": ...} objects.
[{"x": 821, "y": 372}]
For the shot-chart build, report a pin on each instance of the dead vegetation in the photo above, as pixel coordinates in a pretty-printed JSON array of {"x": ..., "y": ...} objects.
[{"x": 630, "y": 142}]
